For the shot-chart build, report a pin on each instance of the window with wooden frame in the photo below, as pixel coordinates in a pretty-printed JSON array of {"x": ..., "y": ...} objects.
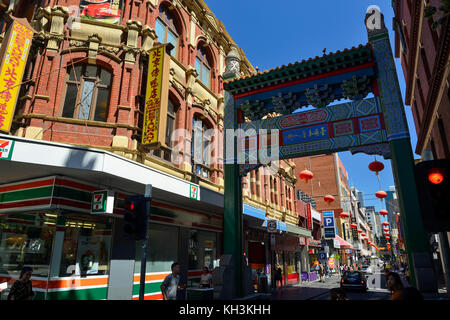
[
  {"x": 87, "y": 92},
  {"x": 203, "y": 66},
  {"x": 201, "y": 147},
  {"x": 166, "y": 29},
  {"x": 165, "y": 153}
]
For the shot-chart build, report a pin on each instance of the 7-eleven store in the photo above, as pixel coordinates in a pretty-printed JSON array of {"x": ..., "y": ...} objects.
[{"x": 46, "y": 223}]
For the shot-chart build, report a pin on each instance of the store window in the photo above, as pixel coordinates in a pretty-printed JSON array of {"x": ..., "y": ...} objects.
[
  {"x": 202, "y": 250},
  {"x": 87, "y": 94},
  {"x": 162, "y": 249},
  {"x": 26, "y": 240},
  {"x": 86, "y": 246},
  {"x": 292, "y": 267}
]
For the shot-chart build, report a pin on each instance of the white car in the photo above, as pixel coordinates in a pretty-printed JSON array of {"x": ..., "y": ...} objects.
[{"x": 367, "y": 269}]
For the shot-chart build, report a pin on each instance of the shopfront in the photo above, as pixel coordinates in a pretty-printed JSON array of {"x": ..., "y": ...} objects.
[
  {"x": 47, "y": 223},
  {"x": 257, "y": 244}
]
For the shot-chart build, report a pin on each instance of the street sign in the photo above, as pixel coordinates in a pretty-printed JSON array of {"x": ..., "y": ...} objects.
[
  {"x": 328, "y": 224},
  {"x": 322, "y": 255},
  {"x": 102, "y": 201},
  {"x": 271, "y": 226}
]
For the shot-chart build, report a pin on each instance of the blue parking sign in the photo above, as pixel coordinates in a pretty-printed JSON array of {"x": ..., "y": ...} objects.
[{"x": 328, "y": 219}]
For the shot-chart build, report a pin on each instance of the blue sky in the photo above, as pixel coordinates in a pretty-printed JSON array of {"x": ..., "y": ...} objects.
[{"x": 272, "y": 34}]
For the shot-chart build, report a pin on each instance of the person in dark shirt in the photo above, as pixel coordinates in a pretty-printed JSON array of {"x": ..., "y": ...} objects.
[{"x": 22, "y": 289}]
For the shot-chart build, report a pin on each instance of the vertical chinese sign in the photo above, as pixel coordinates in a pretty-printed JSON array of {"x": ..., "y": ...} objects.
[
  {"x": 309, "y": 216},
  {"x": 156, "y": 99},
  {"x": 13, "y": 54}
]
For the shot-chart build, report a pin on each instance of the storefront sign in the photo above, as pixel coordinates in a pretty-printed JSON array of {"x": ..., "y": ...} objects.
[
  {"x": 108, "y": 11},
  {"x": 271, "y": 226},
  {"x": 336, "y": 244},
  {"x": 331, "y": 263},
  {"x": 102, "y": 201},
  {"x": 155, "y": 114},
  {"x": 302, "y": 241},
  {"x": 6, "y": 149},
  {"x": 13, "y": 54},
  {"x": 311, "y": 251},
  {"x": 193, "y": 191}
]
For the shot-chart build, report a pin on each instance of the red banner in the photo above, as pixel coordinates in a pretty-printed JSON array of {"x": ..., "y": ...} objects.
[{"x": 309, "y": 216}]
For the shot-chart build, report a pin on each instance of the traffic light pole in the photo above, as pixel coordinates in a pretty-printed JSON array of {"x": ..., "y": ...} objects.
[
  {"x": 416, "y": 238},
  {"x": 148, "y": 202}
]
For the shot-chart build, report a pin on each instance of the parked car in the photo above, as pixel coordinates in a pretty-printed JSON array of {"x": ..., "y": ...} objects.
[
  {"x": 367, "y": 269},
  {"x": 354, "y": 280}
]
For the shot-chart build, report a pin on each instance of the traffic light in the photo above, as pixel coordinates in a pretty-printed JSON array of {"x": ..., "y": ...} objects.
[
  {"x": 433, "y": 188},
  {"x": 136, "y": 217}
]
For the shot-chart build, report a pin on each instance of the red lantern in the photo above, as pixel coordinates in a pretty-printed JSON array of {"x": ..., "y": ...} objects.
[
  {"x": 383, "y": 212},
  {"x": 385, "y": 223},
  {"x": 306, "y": 175},
  {"x": 344, "y": 215},
  {"x": 359, "y": 230},
  {"x": 353, "y": 226},
  {"x": 386, "y": 233},
  {"x": 366, "y": 238},
  {"x": 328, "y": 198},
  {"x": 363, "y": 234},
  {"x": 376, "y": 166},
  {"x": 385, "y": 229},
  {"x": 381, "y": 194},
  {"x": 387, "y": 237}
]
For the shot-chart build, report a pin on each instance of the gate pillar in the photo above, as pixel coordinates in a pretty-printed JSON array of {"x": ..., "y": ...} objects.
[{"x": 417, "y": 242}]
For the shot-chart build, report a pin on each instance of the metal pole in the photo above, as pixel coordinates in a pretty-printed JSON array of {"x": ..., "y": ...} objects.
[{"x": 148, "y": 198}]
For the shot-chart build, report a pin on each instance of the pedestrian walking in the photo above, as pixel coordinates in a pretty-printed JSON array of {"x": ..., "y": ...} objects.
[
  {"x": 278, "y": 276},
  {"x": 170, "y": 286},
  {"x": 205, "y": 279},
  {"x": 322, "y": 273},
  {"x": 22, "y": 289}
]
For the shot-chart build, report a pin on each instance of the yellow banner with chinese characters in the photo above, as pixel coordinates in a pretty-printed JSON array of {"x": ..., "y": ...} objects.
[
  {"x": 14, "y": 55},
  {"x": 153, "y": 131}
]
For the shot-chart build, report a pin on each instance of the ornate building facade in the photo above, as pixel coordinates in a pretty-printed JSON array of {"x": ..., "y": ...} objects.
[{"x": 81, "y": 105}]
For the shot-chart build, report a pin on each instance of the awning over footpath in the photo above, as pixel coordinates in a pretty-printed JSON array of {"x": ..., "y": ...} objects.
[{"x": 344, "y": 244}]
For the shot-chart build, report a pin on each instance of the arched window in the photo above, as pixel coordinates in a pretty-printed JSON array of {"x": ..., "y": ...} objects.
[
  {"x": 87, "y": 92},
  {"x": 200, "y": 148},
  {"x": 166, "y": 28},
  {"x": 172, "y": 108},
  {"x": 203, "y": 66}
]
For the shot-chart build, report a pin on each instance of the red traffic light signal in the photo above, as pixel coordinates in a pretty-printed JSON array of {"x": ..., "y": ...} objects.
[
  {"x": 433, "y": 190},
  {"x": 436, "y": 175},
  {"x": 136, "y": 217}
]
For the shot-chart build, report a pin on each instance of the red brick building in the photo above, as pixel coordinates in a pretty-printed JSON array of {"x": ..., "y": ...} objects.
[{"x": 423, "y": 49}]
